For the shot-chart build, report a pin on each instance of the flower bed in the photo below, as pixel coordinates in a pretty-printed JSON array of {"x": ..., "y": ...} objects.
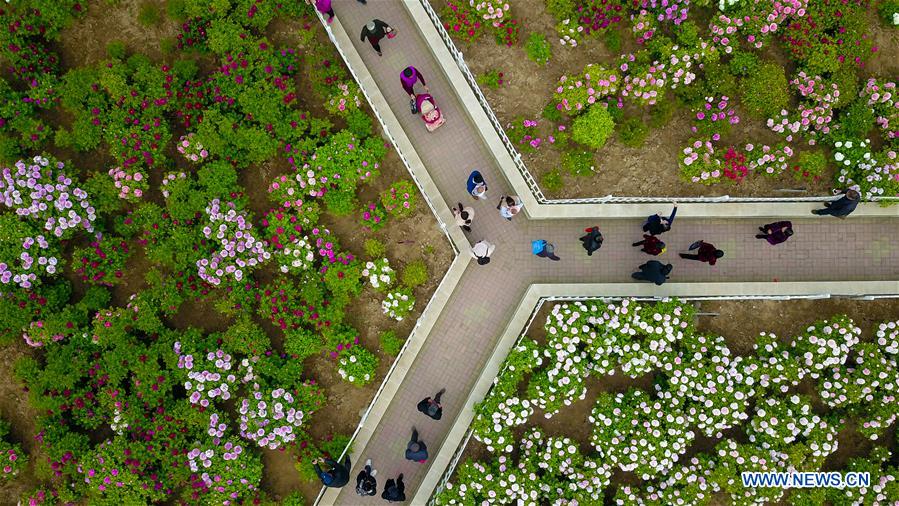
[{"x": 683, "y": 382}]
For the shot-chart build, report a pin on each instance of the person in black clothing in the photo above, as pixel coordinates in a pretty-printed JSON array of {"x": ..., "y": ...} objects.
[
  {"x": 431, "y": 407},
  {"x": 394, "y": 491},
  {"x": 592, "y": 241},
  {"x": 653, "y": 271},
  {"x": 337, "y": 476},
  {"x": 365, "y": 481},
  {"x": 657, "y": 224},
  {"x": 651, "y": 244},
  {"x": 841, "y": 207},
  {"x": 416, "y": 450},
  {"x": 374, "y": 31}
]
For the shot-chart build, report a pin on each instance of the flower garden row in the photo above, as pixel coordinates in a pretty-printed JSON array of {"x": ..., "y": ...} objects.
[
  {"x": 825, "y": 114},
  {"x": 750, "y": 405},
  {"x": 183, "y": 415}
]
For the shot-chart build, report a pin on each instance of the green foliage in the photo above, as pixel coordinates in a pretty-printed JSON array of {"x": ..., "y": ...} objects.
[
  {"x": 633, "y": 132},
  {"x": 375, "y": 248},
  {"x": 340, "y": 203},
  {"x": 390, "y": 343},
  {"x": 593, "y": 128},
  {"x": 743, "y": 63},
  {"x": 176, "y": 9},
  {"x": 538, "y": 48},
  {"x": 560, "y": 9},
  {"x": 612, "y": 41},
  {"x": 168, "y": 45},
  {"x": 344, "y": 281},
  {"x": 578, "y": 162},
  {"x": 552, "y": 181},
  {"x": 116, "y": 49},
  {"x": 846, "y": 80},
  {"x": 889, "y": 12},
  {"x": 149, "y": 14},
  {"x": 856, "y": 120},
  {"x": 661, "y": 113},
  {"x": 245, "y": 337},
  {"x": 492, "y": 79},
  {"x": 687, "y": 34},
  {"x": 301, "y": 343},
  {"x": 811, "y": 164},
  {"x": 400, "y": 199},
  {"x": 357, "y": 365},
  {"x": 359, "y": 123},
  {"x": 552, "y": 113},
  {"x": 415, "y": 273},
  {"x": 764, "y": 92}
]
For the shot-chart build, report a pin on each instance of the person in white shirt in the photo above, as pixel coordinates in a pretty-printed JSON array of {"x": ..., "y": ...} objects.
[
  {"x": 509, "y": 206},
  {"x": 463, "y": 216},
  {"x": 481, "y": 252}
]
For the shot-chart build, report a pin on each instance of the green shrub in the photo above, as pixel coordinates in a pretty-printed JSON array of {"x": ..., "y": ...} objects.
[
  {"x": 687, "y": 34},
  {"x": 661, "y": 113},
  {"x": 722, "y": 82},
  {"x": 889, "y": 12},
  {"x": 340, "y": 202},
  {"x": 245, "y": 337},
  {"x": 856, "y": 120},
  {"x": 846, "y": 80},
  {"x": 168, "y": 45},
  {"x": 375, "y": 248},
  {"x": 552, "y": 181},
  {"x": 538, "y": 48},
  {"x": 593, "y": 128},
  {"x": 358, "y": 122},
  {"x": 400, "y": 199},
  {"x": 578, "y": 163},
  {"x": 176, "y": 9},
  {"x": 116, "y": 49},
  {"x": 612, "y": 40},
  {"x": 561, "y": 9},
  {"x": 632, "y": 132},
  {"x": 765, "y": 92},
  {"x": 810, "y": 164},
  {"x": 149, "y": 14},
  {"x": 390, "y": 343},
  {"x": 551, "y": 113},
  {"x": 415, "y": 273},
  {"x": 743, "y": 63},
  {"x": 492, "y": 79}
]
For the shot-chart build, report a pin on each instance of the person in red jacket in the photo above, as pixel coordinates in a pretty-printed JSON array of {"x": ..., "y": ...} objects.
[
  {"x": 776, "y": 233},
  {"x": 651, "y": 244},
  {"x": 705, "y": 252}
]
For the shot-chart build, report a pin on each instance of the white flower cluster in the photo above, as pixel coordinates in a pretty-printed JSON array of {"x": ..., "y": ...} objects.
[
  {"x": 357, "y": 365},
  {"x": 297, "y": 256},
  {"x": 688, "y": 485},
  {"x": 784, "y": 421},
  {"x": 398, "y": 304},
  {"x": 860, "y": 169},
  {"x": 771, "y": 366},
  {"x": 888, "y": 337},
  {"x": 379, "y": 274},
  {"x": 825, "y": 345}
]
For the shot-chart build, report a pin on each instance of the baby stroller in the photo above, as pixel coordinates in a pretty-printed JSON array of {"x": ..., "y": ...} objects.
[{"x": 430, "y": 113}]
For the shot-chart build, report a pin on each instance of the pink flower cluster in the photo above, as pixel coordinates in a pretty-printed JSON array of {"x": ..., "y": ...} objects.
[
  {"x": 646, "y": 85},
  {"x": 27, "y": 271},
  {"x": 714, "y": 110},
  {"x": 701, "y": 155},
  {"x": 881, "y": 96},
  {"x": 192, "y": 149},
  {"x": 269, "y": 419},
  {"x": 240, "y": 251},
  {"x": 755, "y": 20},
  {"x": 682, "y": 63},
  {"x": 36, "y": 335},
  {"x": 576, "y": 93},
  {"x": 131, "y": 186},
  {"x": 767, "y": 160},
  {"x": 34, "y": 192},
  {"x": 170, "y": 178},
  {"x": 491, "y": 10},
  {"x": 814, "y": 114},
  {"x": 215, "y": 381},
  {"x": 652, "y": 12}
]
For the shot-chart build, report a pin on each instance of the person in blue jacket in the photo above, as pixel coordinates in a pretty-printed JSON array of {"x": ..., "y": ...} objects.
[
  {"x": 416, "y": 449},
  {"x": 337, "y": 476},
  {"x": 841, "y": 207}
]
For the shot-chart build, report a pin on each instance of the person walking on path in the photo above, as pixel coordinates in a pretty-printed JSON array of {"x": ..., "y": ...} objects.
[
  {"x": 705, "y": 253},
  {"x": 658, "y": 224},
  {"x": 394, "y": 491},
  {"x": 477, "y": 187},
  {"x": 541, "y": 248},
  {"x": 432, "y": 407},
  {"x": 481, "y": 251},
  {"x": 592, "y": 241},
  {"x": 463, "y": 216},
  {"x": 416, "y": 450},
  {"x": 653, "y": 271},
  {"x": 776, "y": 233},
  {"x": 365, "y": 482},
  {"x": 509, "y": 206},
  {"x": 323, "y": 6},
  {"x": 374, "y": 31},
  {"x": 408, "y": 77},
  {"x": 842, "y": 207},
  {"x": 651, "y": 244},
  {"x": 337, "y": 476}
]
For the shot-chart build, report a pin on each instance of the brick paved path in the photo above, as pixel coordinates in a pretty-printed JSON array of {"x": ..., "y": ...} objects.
[{"x": 477, "y": 312}]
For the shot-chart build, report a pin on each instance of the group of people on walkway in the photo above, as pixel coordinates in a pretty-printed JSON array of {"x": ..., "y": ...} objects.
[
  {"x": 508, "y": 206},
  {"x": 338, "y": 475}
]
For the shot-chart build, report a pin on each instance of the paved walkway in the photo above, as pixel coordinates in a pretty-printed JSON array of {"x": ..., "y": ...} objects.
[{"x": 481, "y": 303}]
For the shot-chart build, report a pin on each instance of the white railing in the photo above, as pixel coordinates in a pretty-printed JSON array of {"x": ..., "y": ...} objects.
[
  {"x": 460, "y": 450},
  {"x": 608, "y": 199}
]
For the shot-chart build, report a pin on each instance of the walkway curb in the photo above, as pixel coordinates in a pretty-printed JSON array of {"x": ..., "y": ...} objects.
[
  {"x": 538, "y": 292},
  {"x": 540, "y": 211}
]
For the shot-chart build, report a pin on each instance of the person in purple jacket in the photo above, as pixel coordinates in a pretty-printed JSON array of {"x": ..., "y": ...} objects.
[
  {"x": 408, "y": 77},
  {"x": 323, "y": 6},
  {"x": 776, "y": 233}
]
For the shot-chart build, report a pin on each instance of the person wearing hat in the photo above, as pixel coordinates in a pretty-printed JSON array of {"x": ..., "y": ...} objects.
[
  {"x": 476, "y": 185},
  {"x": 481, "y": 252},
  {"x": 463, "y": 216},
  {"x": 654, "y": 272},
  {"x": 394, "y": 491},
  {"x": 509, "y": 206},
  {"x": 592, "y": 241},
  {"x": 842, "y": 207},
  {"x": 416, "y": 450},
  {"x": 651, "y": 244},
  {"x": 705, "y": 253},
  {"x": 431, "y": 407},
  {"x": 374, "y": 31}
]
